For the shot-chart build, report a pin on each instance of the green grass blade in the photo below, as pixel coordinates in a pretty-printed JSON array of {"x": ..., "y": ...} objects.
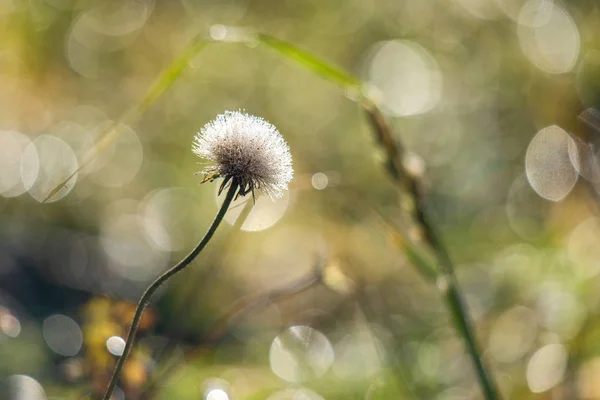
[
  {"x": 353, "y": 87},
  {"x": 170, "y": 75},
  {"x": 326, "y": 70},
  {"x": 164, "y": 82},
  {"x": 394, "y": 154}
]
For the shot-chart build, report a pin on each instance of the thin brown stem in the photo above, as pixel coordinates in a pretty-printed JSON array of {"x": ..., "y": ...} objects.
[
  {"x": 411, "y": 183},
  {"x": 239, "y": 310},
  {"x": 162, "y": 279}
]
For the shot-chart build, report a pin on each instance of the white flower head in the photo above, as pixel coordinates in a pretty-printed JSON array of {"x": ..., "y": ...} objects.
[{"x": 247, "y": 151}]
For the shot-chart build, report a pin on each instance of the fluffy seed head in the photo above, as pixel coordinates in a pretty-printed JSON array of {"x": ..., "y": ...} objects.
[{"x": 247, "y": 150}]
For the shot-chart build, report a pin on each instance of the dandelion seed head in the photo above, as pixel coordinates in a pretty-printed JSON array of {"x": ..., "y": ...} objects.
[{"x": 247, "y": 150}]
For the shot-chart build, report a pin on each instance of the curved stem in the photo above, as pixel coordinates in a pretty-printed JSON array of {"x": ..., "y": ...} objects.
[{"x": 162, "y": 279}]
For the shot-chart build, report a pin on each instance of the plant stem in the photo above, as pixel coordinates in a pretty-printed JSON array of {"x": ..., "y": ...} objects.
[
  {"x": 162, "y": 279},
  {"x": 238, "y": 311},
  {"x": 464, "y": 326},
  {"x": 405, "y": 181},
  {"x": 198, "y": 282},
  {"x": 458, "y": 308}
]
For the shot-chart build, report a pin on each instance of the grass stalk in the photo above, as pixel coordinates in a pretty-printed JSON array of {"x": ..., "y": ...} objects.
[
  {"x": 407, "y": 183},
  {"x": 162, "y": 279},
  {"x": 160, "y": 85}
]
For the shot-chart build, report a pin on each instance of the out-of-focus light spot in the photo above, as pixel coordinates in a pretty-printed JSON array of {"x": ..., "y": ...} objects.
[
  {"x": 124, "y": 241},
  {"x": 319, "y": 181},
  {"x": 414, "y": 164},
  {"x": 335, "y": 278},
  {"x": 559, "y": 310},
  {"x": 218, "y": 32},
  {"x": 441, "y": 282},
  {"x": 548, "y": 37},
  {"x": 583, "y": 249},
  {"x": 62, "y": 335},
  {"x": 513, "y": 334},
  {"x": 9, "y": 325},
  {"x": 295, "y": 394},
  {"x": 548, "y": 165},
  {"x": 546, "y": 368},
  {"x": 216, "y": 389},
  {"x": 72, "y": 369},
  {"x": 56, "y": 162},
  {"x": 232, "y": 34},
  {"x": 22, "y": 387},
  {"x": 300, "y": 353},
  {"x": 405, "y": 76},
  {"x": 115, "y": 345},
  {"x": 217, "y": 394},
  {"x": 475, "y": 306},
  {"x": 12, "y": 149},
  {"x": 265, "y": 213},
  {"x": 483, "y": 9},
  {"x": 120, "y": 162},
  {"x": 166, "y": 218},
  {"x": 358, "y": 356}
]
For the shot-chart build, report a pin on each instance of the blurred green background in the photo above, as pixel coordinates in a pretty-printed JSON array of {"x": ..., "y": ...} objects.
[{"x": 315, "y": 297}]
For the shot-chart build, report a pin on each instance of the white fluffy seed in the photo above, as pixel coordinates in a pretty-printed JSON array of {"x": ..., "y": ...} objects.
[{"x": 247, "y": 150}]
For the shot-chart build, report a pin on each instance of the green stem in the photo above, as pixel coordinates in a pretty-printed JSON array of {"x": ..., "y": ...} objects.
[
  {"x": 162, "y": 279},
  {"x": 394, "y": 151},
  {"x": 458, "y": 308},
  {"x": 197, "y": 283},
  {"x": 464, "y": 325}
]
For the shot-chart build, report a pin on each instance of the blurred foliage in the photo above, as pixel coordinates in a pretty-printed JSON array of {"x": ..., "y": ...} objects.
[{"x": 330, "y": 292}]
